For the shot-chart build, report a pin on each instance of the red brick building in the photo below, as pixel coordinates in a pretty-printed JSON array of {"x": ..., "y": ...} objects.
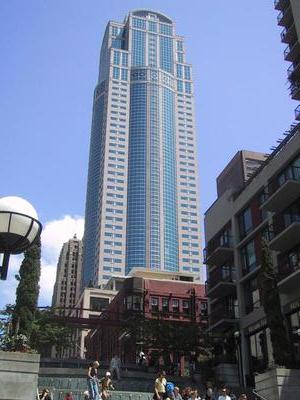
[{"x": 171, "y": 296}]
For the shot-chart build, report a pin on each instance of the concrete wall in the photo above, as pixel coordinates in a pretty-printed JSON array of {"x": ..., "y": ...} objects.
[
  {"x": 279, "y": 384},
  {"x": 18, "y": 375}
]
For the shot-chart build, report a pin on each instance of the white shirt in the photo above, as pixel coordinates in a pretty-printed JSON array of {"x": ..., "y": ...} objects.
[{"x": 222, "y": 397}]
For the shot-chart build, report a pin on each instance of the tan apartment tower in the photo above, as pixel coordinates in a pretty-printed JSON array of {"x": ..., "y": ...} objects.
[{"x": 68, "y": 276}]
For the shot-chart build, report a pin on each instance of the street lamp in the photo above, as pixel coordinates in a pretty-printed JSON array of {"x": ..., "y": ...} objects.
[
  {"x": 19, "y": 228},
  {"x": 237, "y": 338}
]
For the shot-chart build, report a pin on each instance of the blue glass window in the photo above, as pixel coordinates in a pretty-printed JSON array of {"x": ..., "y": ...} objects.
[
  {"x": 116, "y": 72},
  {"x": 139, "y": 23},
  {"x": 124, "y": 59},
  {"x": 166, "y": 54},
  {"x": 188, "y": 87},
  {"x": 187, "y": 72},
  {"x": 124, "y": 74},
  {"x": 117, "y": 57},
  {"x": 117, "y": 43},
  {"x": 180, "y": 57},
  {"x": 179, "y": 45},
  {"x": 138, "y": 48},
  {"x": 179, "y": 72},
  {"x": 165, "y": 29},
  {"x": 180, "y": 86},
  {"x": 152, "y": 26},
  {"x": 116, "y": 31}
]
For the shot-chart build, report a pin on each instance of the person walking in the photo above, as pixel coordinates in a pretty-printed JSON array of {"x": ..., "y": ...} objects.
[
  {"x": 160, "y": 386},
  {"x": 92, "y": 381},
  {"x": 223, "y": 395},
  {"x": 115, "y": 366}
]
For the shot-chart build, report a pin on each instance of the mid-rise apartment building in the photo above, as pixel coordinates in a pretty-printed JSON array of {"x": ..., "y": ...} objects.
[
  {"x": 268, "y": 206},
  {"x": 289, "y": 19},
  {"x": 142, "y": 203}
]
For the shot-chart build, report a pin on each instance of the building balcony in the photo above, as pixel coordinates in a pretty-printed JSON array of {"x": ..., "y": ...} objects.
[
  {"x": 218, "y": 252},
  {"x": 289, "y": 276},
  {"x": 286, "y": 234},
  {"x": 289, "y": 35},
  {"x": 292, "y": 52},
  {"x": 283, "y": 193},
  {"x": 295, "y": 91},
  {"x": 297, "y": 113},
  {"x": 221, "y": 282},
  {"x": 223, "y": 317},
  {"x": 294, "y": 71},
  {"x": 285, "y": 17},
  {"x": 281, "y": 4}
]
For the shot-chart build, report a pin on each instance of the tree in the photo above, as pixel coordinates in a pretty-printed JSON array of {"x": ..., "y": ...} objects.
[
  {"x": 270, "y": 300},
  {"x": 28, "y": 290},
  {"x": 45, "y": 333}
]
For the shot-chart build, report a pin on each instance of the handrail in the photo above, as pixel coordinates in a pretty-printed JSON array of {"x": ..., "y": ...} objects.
[{"x": 258, "y": 395}]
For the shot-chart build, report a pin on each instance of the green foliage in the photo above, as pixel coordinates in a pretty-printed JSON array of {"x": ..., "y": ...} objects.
[
  {"x": 270, "y": 300},
  {"x": 168, "y": 336},
  {"x": 45, "y": 333},
  {"x": 27, "y": 291}
]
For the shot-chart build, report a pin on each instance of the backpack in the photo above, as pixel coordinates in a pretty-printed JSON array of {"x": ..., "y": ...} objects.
[{"x": 170, "y": 387}]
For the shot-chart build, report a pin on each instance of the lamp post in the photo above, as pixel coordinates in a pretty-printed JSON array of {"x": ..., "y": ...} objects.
[
  {"x": 19, "y": 228},
  {"x": 237, "y": 338}
]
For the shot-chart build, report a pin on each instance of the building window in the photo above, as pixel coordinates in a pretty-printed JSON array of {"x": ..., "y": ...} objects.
[
  {"x": 165, "y": 305},
  {"x": 252, "y": 299},
  {"x": 186, "y": 306},
  {"x": 175, "y": 306},
  {"x": 245, "y": 222},
  {"x": 203, "y": 309},
  {"x": 248, "y": 257},
  {"x": 154, "y": 304}
]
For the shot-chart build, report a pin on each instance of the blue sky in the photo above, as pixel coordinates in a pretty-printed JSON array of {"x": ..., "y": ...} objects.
[{"x": 49, "y": 67}]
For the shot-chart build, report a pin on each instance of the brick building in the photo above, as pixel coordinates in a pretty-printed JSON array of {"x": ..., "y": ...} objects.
[{"x": 171, "y": 296}]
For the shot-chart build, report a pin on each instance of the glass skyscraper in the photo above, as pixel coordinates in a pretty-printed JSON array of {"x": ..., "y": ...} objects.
[{"x": 142, "y": 205}]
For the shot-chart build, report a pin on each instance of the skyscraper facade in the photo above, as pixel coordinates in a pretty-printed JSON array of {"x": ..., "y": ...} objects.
[
  {"x": 68, "y": 276},
  {"x": 142, "y": 206}
]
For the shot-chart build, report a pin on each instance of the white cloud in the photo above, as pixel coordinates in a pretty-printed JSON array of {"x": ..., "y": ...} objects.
[{"x": 54, "y": 235}]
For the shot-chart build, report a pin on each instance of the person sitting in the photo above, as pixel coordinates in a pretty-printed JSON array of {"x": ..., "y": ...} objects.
[
  {"x": 106, "y": 385},
  {"x": 45, "y": 395},
  {"x": 223, "y": 395},
  {"x": 177, "y": 395},
  {"x": 160, "y": 386}
]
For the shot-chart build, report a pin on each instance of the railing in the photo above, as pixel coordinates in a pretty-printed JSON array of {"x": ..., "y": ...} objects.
[
  {"x": 282, "y": 14},
  {"x": 289, "y": 49},
  {"x": 295, "y": 88},
  {"x": 259, "y": 396},
  {"x": 223, "y": 312},
  {"x": 291, "y": 173},
  {"x": 287, "y": 268},
  {"x": 285, "y": 31},
  {"x": 293, "y": 68},
  {"x": 221, "y": 275},
  {"x": 283, "y": 221},
  {"x": 297, "y": 112},
  {"x": 222, "y": 241}
]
